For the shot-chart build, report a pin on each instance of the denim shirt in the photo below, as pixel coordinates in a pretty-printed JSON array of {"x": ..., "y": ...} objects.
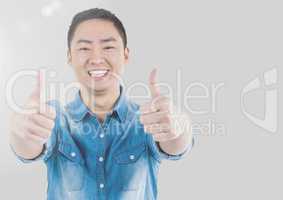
[{"x": 90, "y": 160}]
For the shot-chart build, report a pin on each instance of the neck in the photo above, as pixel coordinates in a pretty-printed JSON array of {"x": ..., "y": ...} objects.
[{"x": 100, "y": 102}]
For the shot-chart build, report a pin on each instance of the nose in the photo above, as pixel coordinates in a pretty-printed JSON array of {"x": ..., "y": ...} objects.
[{"x": 96, "y": 57}]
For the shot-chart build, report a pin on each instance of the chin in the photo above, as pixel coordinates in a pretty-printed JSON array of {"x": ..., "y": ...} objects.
[{"x": 101, "y": 87}]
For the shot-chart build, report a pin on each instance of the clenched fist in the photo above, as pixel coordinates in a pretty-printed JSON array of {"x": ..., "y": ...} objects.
[{"x": 30, "y": 131}]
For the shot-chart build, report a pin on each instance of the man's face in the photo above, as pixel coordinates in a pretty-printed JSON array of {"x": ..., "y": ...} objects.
[{"x": 97, "y": 55}]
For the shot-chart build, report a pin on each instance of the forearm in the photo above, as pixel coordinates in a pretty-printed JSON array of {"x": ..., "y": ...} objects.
[
  {"x": 178, "y": 145},
  {"x": 181, "y": 128}
]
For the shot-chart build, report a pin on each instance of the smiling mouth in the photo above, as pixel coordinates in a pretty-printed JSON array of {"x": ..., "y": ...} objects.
[{"x": 98, "y": 73}]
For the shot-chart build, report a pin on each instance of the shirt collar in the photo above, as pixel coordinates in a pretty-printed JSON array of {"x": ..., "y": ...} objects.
[
  {"x": 121, "y": 106},
  {"x": 77, "y": 109}
]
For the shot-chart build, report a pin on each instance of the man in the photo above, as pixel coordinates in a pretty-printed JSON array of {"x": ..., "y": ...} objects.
[{"x": 101, "y": 145}]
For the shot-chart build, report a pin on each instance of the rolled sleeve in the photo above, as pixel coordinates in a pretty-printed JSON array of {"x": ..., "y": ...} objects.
[{"x": 159, "y": 154}]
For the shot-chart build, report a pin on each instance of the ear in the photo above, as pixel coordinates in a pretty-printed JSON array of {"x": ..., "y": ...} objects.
[
  {"x": 126, "y": 55},
  {"x": 69, "y": 57}
]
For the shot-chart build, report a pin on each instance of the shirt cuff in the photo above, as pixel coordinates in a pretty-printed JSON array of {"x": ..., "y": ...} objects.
[{"x": 159, "y": 154}]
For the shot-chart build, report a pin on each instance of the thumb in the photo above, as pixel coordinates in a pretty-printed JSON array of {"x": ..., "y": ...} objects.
[
  {"x": 34, "y": 97},
  {"x": 154, "y": 90}
]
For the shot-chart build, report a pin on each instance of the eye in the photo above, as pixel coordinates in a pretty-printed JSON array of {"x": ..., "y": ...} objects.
[
  {"x": 109, "y": 47},
  {"x": 83, "y": 49}
]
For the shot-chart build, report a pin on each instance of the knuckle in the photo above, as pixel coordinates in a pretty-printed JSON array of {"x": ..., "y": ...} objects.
[
  {"x": 26, "y": 135},
  {"x": 171, "y": 130},
  {"x": 28, "y": 117},
  {"x": 32, "y": 117},
  {"x": 167, "y": 118},
  {"x": 28, "y": 128},
  {"x": 43, "y": 135},
  {"x": 164, "y": 126},
  {"x": 171, "y": 134}
]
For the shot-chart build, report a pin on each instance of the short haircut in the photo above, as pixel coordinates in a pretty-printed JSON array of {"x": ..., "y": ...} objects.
[{"x": 96, "y": 13}]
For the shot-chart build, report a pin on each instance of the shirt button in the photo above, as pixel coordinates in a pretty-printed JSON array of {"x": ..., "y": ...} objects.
[
  {"x": 73, "y": 154},
  {"x": 132, "y": 157},
  {"x": 101, "y": 185},
  {"x": 101, "y": 159},
  {"x": 101, "y": 135}
]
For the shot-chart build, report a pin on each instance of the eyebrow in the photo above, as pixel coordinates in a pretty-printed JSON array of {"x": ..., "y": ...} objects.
[
  {"x": 110, "y": 39},
  {"x": 84, "y": 41}
]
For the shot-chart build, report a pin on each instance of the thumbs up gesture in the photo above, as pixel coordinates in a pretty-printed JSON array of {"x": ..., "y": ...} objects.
[
  {"x": 157, "y": 116},
  {"x": 30, "y": 131}
]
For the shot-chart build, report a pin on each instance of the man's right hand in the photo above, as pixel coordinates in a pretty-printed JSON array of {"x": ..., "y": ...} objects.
[{"x": 30, "y": 131}]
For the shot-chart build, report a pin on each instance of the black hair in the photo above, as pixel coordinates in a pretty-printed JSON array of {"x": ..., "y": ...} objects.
[{"x": 96, "y": 13}]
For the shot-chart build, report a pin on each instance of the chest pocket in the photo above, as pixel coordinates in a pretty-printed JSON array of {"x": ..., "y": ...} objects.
[
  {"x": 130, "y": 155},
  {"x": 72, "y": 166},
  {"x": 131, "y": 167}
]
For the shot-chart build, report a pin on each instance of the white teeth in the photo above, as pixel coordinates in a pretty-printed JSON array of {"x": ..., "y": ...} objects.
[{"x": 97, "y": 73}]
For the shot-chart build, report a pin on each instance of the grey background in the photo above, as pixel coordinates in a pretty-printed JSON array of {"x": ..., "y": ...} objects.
[{"x": 229, "y": 42}]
